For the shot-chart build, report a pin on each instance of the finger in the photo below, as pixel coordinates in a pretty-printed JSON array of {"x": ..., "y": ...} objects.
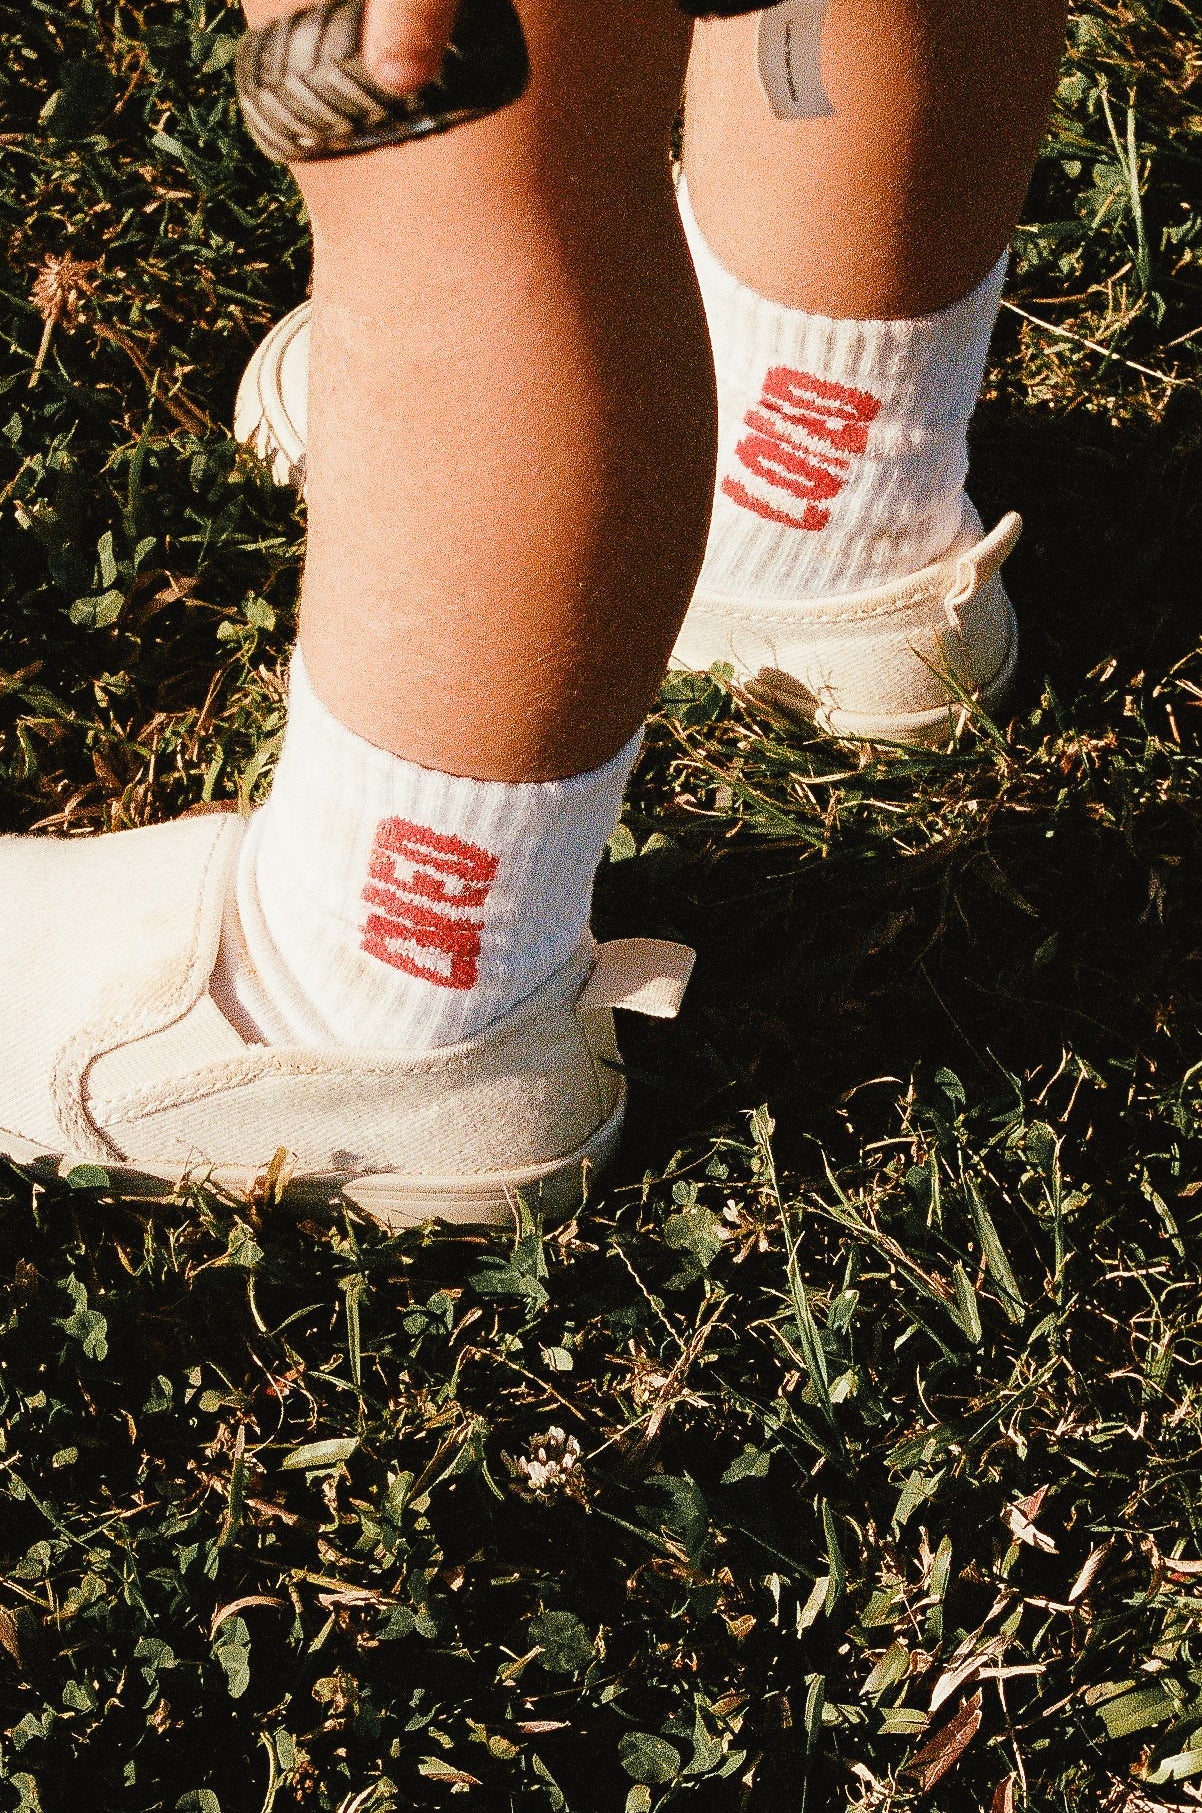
[{"x": 405, "y": 41}]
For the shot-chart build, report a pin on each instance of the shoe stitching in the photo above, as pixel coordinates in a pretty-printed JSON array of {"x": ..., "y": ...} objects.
[
  {"x": 272, "y": 1066},
  {"x": 275, "y": 1063},
  {"x": 991, "y": 605},
  {"x": 456, "y": 1185},
  {"x": 580, "y": 1121},
  {"x": 883, "y": 604}
]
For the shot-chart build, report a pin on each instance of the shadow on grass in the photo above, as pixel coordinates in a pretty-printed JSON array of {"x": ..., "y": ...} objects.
[{"x": 1065, "y": 913}]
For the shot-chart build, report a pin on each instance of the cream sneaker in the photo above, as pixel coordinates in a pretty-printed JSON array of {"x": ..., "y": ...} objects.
[
  {"x": 894, "y": 664},
  {"x": 115, "y": 1054},
  {"x": 271, "y": 410},
  {"x": 898, "y": 663}
]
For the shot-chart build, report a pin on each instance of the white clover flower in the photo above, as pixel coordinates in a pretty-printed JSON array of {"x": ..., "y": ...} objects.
[{"x": 552, "y": 1464}]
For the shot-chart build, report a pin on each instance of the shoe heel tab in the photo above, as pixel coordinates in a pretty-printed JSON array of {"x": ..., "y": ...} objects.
[
  {"x": 984, "y": 560},
  {"x": 642, "y": 975}
]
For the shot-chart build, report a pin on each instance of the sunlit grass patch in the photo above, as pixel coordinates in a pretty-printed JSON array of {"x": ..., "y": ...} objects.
[{"x": 845, "y": 1451}]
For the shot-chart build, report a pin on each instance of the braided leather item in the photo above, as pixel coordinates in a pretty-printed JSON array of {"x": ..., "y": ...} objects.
[{"x": 305, "y": 94}]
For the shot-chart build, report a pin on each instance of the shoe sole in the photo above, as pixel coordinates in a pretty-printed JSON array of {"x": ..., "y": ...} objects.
[{"x": 469, "y": 1201}]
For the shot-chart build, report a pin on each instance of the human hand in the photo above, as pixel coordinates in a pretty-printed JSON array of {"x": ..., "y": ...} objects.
[{"x": 405, "y": 41}]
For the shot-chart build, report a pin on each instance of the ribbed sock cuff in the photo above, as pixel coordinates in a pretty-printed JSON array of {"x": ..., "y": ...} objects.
[
  {"x": 931, "y": 366},
  {"x": 388, "y": 905},
  {"x": 842, "y": 445}
]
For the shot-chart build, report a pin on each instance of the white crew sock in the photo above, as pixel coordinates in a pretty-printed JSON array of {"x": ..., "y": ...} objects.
[
  {"x": 842, "y": 445},
  {"x": 380, "y": 905}
]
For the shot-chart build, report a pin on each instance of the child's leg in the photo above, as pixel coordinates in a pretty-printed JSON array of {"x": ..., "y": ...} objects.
[
  {"x": 901, "y": 201},
  {"x": 509, "y": 475},
  {"x": 511, "y": 413},
  {"x": 851, "y": 267},
  {"x": 388, "y": 970}
]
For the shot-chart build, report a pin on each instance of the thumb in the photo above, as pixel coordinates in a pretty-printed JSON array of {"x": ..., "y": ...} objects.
[{"x": 405, "y": 41}]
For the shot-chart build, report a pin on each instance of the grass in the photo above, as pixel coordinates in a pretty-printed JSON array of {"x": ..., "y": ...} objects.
[{"x": 877, "y": 1360}]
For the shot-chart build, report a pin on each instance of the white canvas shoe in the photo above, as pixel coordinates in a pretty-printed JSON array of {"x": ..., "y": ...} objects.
[
  {"x": 898, "y": 663},
  {"x": 874, "y": 665},
  {"x": 271, "y": 410},
  {"x": 115, "y": 1054}
]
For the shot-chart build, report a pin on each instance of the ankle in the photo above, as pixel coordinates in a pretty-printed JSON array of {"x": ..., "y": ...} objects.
[
  {"x": 842, "y": 444},
  {"x": 383, "y": 905}
]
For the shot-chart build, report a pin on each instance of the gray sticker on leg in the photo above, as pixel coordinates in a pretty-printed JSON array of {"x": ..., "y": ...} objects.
[{"x": 788, "y": 55}]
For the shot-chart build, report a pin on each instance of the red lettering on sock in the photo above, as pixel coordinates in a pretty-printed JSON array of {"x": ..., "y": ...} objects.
[
  {"x": 806, "y": 432},
  {"x": 760, "y": 422},
  {"x": 410, "y": 867},
  {"x": 439, "y": 867},
  {"x": 783, "y": 465},
  {"x": 830, "y": 412},
  {"x": 396, "y": 940},
  {"x": 811, "y": 517}
]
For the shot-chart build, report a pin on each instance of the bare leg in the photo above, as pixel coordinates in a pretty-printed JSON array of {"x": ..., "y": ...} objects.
[
  {"x": 901, "y": 202},
  {"x": 510, "y": 472},
  {"x": 512, "y": 415}
]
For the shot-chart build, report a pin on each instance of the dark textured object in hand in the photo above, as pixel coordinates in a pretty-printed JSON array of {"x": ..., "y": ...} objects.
[
  {"x": 305, "y": 93},
  {"x": 720, "y": 9}
]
